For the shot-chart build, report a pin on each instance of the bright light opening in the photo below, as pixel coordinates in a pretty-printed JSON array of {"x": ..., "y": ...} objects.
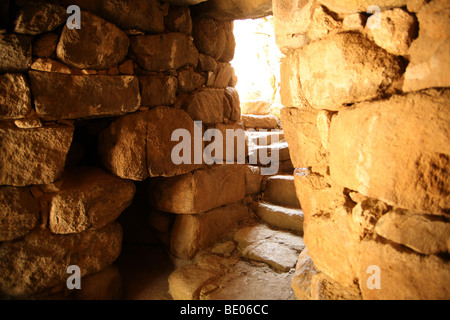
[{"x": 257, "y": 66}]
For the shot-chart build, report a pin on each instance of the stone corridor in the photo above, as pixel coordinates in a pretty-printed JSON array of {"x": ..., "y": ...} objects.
[{"x": 117, "y": 172}]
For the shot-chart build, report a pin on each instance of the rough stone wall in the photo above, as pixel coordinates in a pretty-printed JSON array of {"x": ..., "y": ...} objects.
[
  {"x": 367, "y": 118},
  {"x": 84, "y": 113}
]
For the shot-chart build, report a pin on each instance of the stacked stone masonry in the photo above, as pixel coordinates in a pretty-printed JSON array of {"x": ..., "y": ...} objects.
[
  {"x": 367, "y": 118},
  {"x": 87, "y": 116},
  {"x": 87, "y": 113}
]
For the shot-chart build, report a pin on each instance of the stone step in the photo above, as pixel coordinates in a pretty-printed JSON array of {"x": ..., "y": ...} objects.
[
  {"x": 264, "y": 138},
  {"x": 258, "y": 153},
  {"x": 280, "y": 189},
  {"x": 259, "y": 122},
  {"x": 279, "y": 249},
  {"x": 280, "y": 217}
]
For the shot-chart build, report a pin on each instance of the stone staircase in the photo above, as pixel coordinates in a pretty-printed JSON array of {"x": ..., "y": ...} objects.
[{"x": 255, "y": 261}]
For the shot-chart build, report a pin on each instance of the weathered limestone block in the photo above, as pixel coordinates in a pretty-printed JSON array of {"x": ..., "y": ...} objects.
[
  {"x": 232, "y": 96},
  {"x": 139, "y": 145},
  {"x": 214, "y": 38},
  {"x": 206, "y": 105},
  {"x": 291, "y": 22},
  {"x": 127, "y": 14},
  {"x": 179, "y": 20},
  {"x": 45, "y": 45},
  {"x": 281, "y": 217},
  {"x": 158, "y": 90},
  {"x": 430, "y": 61},
  {"x": 206, "y": 63},
  {"x": 331, "y": 244},
  {"x": 33, "y": 156},
  {"x": 60, "y": 96},
  {"x": 253, "y": 179},
  {"x": 301, "y": 281},
  {"x": 89, "y": 198},
  {"x": 325, "y": 288},
  {"x": 41, "y": 259},
  {"x": 236, "y": 9},
  {"x": 352, "y": 6},
  {"x": 163, "y": 52},
  {"x": 199, "y": 191},
  {"x": 19, "y": 212},
  {"x": 15, "y": 53},
  {"x": 15, "y": 97},
  {"x": 419, "y": 232},
  {"x": 39, "y": 17},
  {"x": 134, "y": 14},
  {"x": 416, "y": 5},
  {"x": 397, "y": 30},
  {"x": 189, "y": 80},
  {"x": 103, "y": 285},
  {"x": 97, "y": 45},
  {"x": 291, "y": 87},
  {"x": 345, "y": 68},
  {"x": 403, "y": 274},
  {"x": 368, "y": 139},
  {"x": 259, "y": 122},
  {"x": 223, "y": 75},
  {"x": 192, "y": 233},
  {"x": 354, "y": 21},
  {"x": 303, "y": 137},
  {"x": 365, "y": 216},
  {"x": 49, "y": 65},
  {"x": 322, "y": 23}
]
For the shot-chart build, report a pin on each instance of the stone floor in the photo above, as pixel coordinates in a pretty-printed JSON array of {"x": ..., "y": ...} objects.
[{"x": 254, "y": 263}]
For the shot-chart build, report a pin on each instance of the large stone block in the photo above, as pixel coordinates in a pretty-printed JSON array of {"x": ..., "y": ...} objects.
[
  {"x": 430, "y": 61},
  {"x": 398, "y": 28},
  {"x": 158, "y": 90},
  {"x": 139, "y": 145},
  {"x": 163, "y": 52},
  {"x": 127, "y": 14},
  {"x": 61, "y": 96},
  {"x": 38, "y": 17},
  {"x": 134, "y": 14},
  {"x": 97, "y": 45},
  {"x": 15, "y": 97},
  {"x": 206, "y": 105},
  {"x": 291, "y": 22},
  {"x": 346, "y": 68},
  {"x": 352, "y": 6},
  {"x": 19, "y": 212},
  {"x": 214, "y": 38},
  {"x": 331, "y": 244},
  {"x": 33, "y": 156},
  {"x": 401, "y": 163},
  {"x": 419, "y": 232},
  {"x": 15, "y": 53},
  {"x": 404, "y": 275},
  {"x": 40, "y": 260},
  {"x": 291, "y": 87},
  {"x": 89, "y": 198},
  {"x": 192, "y": 233},
  {"x": 303, "y": 137},
  {"x": 199, "y": 191}
]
